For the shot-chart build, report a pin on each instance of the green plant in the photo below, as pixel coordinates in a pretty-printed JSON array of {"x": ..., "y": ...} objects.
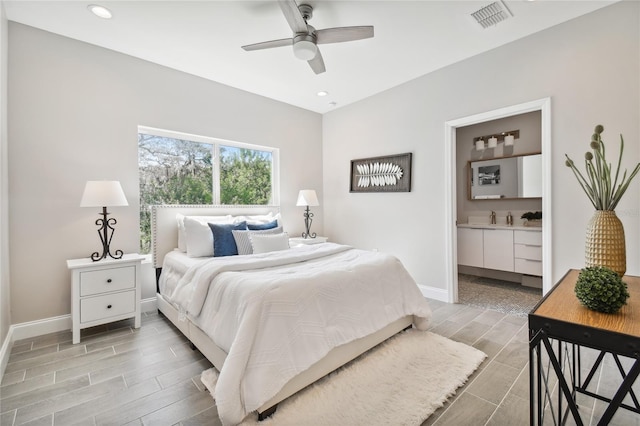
[
  {"x": 603, "y": 193},
  {"x": 532, "y": 216},
  {"x": 601, "y": 289}
]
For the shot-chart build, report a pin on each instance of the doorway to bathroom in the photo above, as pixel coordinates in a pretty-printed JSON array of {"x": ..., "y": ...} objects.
[{"x": 495, "y": 145}]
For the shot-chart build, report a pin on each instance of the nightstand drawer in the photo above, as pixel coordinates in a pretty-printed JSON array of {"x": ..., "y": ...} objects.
[
  {"x": 109, "y": 305},
  {"x": 107, "y": 280}
]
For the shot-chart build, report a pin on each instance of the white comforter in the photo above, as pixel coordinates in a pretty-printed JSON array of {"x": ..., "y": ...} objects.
[{"x": 278, "y": 313}]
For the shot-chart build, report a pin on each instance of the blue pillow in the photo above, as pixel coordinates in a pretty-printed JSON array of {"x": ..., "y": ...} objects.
[
  {"x": 261, "y": 226},
  {"x": 223, "y": 242}
]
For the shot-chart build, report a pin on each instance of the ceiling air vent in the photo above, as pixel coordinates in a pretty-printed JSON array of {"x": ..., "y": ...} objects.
[{"x": 492, "y": 14}]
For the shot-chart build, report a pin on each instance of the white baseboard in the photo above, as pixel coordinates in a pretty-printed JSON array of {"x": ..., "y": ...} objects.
[
  {"x": 5, "y": 351},
  {"x": 149, "y": 305},
  {"x": 30, "y": 329},
  {"x": 433, "y": 292}
]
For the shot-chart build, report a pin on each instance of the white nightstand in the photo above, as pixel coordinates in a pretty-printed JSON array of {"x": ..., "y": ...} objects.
[
  {"x": 104, "y": 291},
  {"x": 299, "y": 240}
]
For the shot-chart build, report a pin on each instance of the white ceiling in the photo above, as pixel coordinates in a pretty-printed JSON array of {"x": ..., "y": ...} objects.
[{"x": 412, "y": 38}]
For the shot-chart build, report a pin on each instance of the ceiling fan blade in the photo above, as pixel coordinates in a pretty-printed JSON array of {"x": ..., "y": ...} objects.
[
  {"x": 317, "y": 63},
  {"x": 269, "y": 44},
  {"x": 340, "y": 34},
  {"x": 293, "y": 16}
]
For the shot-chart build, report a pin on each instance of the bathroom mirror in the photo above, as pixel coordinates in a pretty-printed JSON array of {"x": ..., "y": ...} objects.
[{"x": 505, "y": 178}]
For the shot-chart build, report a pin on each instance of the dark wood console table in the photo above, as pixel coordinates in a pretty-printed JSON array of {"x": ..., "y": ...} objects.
[{"x": 559, "y": 327}]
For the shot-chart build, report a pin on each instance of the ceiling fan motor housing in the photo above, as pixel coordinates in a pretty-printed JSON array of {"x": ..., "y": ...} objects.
[{"x": 306, "y": 11}]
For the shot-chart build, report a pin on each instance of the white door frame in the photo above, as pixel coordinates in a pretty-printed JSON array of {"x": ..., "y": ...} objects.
[{"x": 543, "y": 105}]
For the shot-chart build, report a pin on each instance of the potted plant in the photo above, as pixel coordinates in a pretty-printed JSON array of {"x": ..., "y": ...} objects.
[
  {"x": 532, "y": 218},
  {"x": 601, "y": 289},
  {"x": 605, "y": 245}
]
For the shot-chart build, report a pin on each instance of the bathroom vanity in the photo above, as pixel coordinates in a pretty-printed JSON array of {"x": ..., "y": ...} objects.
[{"x": 516, "y": 249}]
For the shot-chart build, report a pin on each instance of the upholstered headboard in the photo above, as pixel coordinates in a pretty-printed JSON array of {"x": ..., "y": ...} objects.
[{"x": 164, "y": 226}]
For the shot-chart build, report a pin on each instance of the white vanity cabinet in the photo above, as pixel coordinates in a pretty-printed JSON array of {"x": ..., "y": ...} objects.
[
  {"x": 527, "y": 249},
  {"x": 498, "y": 249},
  {"x": 512, "y": 249},
  {"x": 470, "y": 243}
]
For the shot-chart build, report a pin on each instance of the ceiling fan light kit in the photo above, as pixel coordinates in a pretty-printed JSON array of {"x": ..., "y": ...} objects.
[
  {"x": 304, "y": 47},
  {"x": 305, "y": 38}
]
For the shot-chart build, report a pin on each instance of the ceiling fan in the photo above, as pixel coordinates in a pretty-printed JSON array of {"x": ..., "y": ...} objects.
[{"x": 306, "y": 38}]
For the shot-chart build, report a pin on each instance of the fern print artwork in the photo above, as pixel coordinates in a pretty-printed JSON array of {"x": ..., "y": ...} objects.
[
  {"x": 378, "y": 174},
  {"x": 390, "y": 173}
]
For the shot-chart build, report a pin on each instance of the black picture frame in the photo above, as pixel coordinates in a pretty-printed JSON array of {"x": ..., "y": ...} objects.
[{"x": 389, "y": 173}]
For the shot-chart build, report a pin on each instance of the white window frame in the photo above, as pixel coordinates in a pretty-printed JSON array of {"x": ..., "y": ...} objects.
[{"x": 215, "y": 146}]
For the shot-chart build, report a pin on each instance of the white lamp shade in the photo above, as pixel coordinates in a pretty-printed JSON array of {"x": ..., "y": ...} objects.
[
  {"x": 103, "y": 193},
  {"x": 508, "y": 140},
  {"x": 307, "y": 197},
  {"x": 493, "y": 142},
  {"x": 479, "y": 145}
]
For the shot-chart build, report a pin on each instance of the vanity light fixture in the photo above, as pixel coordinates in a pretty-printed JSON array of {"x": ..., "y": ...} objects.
[
  {"x": 100, "y": 11},
  {"x": 493, "y": 140},
  {"x": 508, "y": 140}
]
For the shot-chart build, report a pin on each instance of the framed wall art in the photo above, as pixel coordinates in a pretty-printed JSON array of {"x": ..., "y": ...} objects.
[{"x": 391, "y": 173}]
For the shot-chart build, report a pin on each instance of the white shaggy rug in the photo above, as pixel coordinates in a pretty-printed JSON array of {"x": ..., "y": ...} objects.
[{"x": 400, "y": 382}]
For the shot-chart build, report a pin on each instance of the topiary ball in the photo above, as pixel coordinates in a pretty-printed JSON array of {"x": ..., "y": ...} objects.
[{"x": 601, "y": 289}]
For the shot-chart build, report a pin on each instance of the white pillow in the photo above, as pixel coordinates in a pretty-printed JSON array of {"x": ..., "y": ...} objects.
[
  {"x": 198, "y": 235},
  {"x": 243, "y": 238},
  {"x": 182, "y": 237},
  {"x": 262, "y": 243},
  {"x": 258, "y": 219}
]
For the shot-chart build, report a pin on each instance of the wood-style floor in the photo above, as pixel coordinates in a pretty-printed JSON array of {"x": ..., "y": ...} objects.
[{"x": 118, "y": 375}]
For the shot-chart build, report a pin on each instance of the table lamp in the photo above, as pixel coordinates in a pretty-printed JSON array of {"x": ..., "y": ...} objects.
[
  {"x": 103, "y": 193},
  {"x": 307, "y": 197}
]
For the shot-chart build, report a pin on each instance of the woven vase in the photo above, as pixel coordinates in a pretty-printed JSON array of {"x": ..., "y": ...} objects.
[{"x": 605, "y": 242}]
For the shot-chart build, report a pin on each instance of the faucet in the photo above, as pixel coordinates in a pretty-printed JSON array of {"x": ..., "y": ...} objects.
[{"x": 493, "y": 217}]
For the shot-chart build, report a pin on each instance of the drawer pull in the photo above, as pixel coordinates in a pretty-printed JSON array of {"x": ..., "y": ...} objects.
[
  {"x": 108, "y": 306},
  {"x": 109, "y": 280}
]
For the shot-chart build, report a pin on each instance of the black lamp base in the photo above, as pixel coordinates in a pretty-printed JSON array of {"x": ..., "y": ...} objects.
[
  {"x": 308, "y": 218},
  {"x": 105, "y": 232}
]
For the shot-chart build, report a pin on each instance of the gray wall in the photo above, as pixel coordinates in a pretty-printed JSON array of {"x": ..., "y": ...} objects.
[
  {"x": 588, "y": 66},
  {"x": 74, "y": 109},
  {"x": 5, "y": 313}
]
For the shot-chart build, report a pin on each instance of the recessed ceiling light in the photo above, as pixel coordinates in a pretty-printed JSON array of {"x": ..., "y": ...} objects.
[
  {"x": 322, "y": 93},
  {"x": 100, "y": 11}
]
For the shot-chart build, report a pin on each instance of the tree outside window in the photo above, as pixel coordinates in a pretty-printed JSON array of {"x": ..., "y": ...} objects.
[{"x": 181, "y": 171}]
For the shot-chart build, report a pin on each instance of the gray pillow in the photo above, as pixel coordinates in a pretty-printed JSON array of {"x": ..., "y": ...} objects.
[{"x": 243, "y": 239}]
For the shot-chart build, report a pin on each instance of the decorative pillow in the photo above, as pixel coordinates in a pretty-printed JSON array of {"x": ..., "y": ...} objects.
[
  {"x": 267, "y": 243},
  {"x": 261, "y": 226},
  {"x": 182, "y": 236},
  {"x": 243, "y": 238},
  {"x": 223, "y": 242},
  {"x": 198, "y": 237},
  {"x": 258, "y": 219}
]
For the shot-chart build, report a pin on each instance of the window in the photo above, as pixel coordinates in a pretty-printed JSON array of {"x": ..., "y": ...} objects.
[{"x": 179, "y": 168}]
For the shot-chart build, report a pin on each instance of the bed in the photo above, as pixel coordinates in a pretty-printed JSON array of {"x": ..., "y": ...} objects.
[{"x": 276, "y": 321}]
